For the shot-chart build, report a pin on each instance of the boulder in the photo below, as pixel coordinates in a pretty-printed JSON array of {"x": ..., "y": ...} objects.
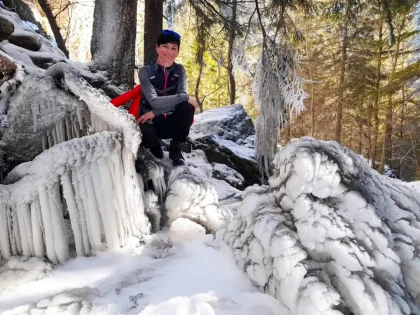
[
  {"x": 6, "y": 28},
  {"x": 229, "y": 175},
  {"x": 227, "y": 136},
  {"x": 7, "y": 66},
  {"x": 25, "y": 39}
]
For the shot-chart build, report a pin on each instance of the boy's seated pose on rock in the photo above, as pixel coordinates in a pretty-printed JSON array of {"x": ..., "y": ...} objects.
[{"x": 166, "y": 110}]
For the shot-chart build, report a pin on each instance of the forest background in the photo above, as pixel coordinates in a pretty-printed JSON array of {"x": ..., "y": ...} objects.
[{"x": 359, "y": 61}]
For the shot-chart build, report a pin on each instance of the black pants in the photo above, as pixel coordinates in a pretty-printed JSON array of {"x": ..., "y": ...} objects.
[{"x": 174, "y": 126}]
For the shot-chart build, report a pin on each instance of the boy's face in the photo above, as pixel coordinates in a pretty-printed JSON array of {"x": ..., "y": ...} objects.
[{"x": 168, "y": 52}]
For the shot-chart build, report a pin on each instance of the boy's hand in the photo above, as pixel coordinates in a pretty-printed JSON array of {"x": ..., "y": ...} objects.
[
  {"x": 192, "y": 101},
  {"x": 146, "y": 117}
]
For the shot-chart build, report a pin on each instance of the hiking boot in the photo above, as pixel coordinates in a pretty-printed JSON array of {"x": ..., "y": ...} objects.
[
  {"x": 157, "y": 152},
  {"x": 175, "y": 153}
]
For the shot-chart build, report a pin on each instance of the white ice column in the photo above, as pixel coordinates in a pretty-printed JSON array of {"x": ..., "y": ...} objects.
[
  {"x": 74, "y": 213},
  {"x": 82, "y": 211},
  {"x": 48, "y": 223},
  {"x": 5, "y": 252},
  {"x": 37, "y": 229}
]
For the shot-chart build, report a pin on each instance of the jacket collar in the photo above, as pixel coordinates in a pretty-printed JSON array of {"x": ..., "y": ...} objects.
[{"x": 157, "y": 66}]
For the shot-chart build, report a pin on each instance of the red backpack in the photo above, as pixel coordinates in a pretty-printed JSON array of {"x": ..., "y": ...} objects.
[{"x": 135, "y": 95}]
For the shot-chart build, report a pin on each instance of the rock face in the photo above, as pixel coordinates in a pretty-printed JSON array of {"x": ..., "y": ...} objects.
[
  {"x": 6, "y": 28},
  {"x": 227, "y": 135},
  {"x": 26, "y": 40}
]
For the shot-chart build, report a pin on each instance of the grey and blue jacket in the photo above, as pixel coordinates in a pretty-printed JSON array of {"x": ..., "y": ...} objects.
[{"x": 162, "y": 89}]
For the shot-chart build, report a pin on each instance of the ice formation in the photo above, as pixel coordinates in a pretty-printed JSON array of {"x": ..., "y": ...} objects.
[
  {"x": 329, "y": 235},
  {"x": 92, "y": 177},
  {"x": 192, "y": 205}
]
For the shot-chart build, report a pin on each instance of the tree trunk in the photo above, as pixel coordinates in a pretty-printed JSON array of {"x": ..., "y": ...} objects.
[
  {"x": 339, "y": 110},
  {"x": 360, "y": 141},
  {"x": 369, "y": 129},
  {"x": 377, "y": 93},
  {"x": 312, "y": 103},
  {"x": 114, "y": 38},
  {"x": 153, "y": 21},
  {"x": 288, "y": 127},
  {"x": 197, "y": 84},
  {"x": 61, "y": 44},
  {"x": 387, "y": 142},
  {"x": 232, "y": 35}
]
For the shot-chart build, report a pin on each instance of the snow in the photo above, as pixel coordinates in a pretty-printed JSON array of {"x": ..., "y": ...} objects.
[
  {"x": 230, "y": 122},
  {"x": 330, "y": 233},
  {"x": 198, "y": 277},
  {"x": 48, "y": 49}
]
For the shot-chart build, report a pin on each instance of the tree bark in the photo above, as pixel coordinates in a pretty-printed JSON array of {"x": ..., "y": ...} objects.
[
  {"x": 232, "y": 35},
  {"x": 153, "y": 21},
  {"x": 61, "y": 44},
  {"x": 114, "y": 38},
  {"x": 339, "y": 110},
  {"x": 387, "y": 143},
  {"x": 360, "y": 141},
  {"x": 312, "y": 103},
  {"x": 377, "y": 93},
  {"x": 197, "y": 84}
]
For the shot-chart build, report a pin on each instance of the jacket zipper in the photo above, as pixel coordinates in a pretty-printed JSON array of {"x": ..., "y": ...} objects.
[{"x": 166, "y": 80}]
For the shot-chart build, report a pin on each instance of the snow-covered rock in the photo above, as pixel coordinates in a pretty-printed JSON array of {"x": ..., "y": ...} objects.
[
  {"x": 193, "y": 198},
  {"x": 92, "y": 178},
  {"x": 330, "y": 235},
  {"x": 227, "y": 136},
  {"x": 6, "y": 28},
  {"x": 224, "y": 172}
]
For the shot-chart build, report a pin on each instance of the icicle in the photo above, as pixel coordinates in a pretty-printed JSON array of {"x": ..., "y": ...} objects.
[
  {"x": 74, "y": 213},
  {"x": 82, "y": 211},
  {"x": 44, "y": 143},
  {"x": 54, "y": 135},
  {"x": 81, "y": 191},
  {"x": 50, "y": 139},
  {"x": 134, "y": 196},
  {"x": 122, "y": 203},
  {"x": 93, "y": 211},
  {"x": 25, "y": 230},
  {"x": 111, "y": 215},
  {"x": 76, "y": 129},
  {"x": 12, "y": 232},
  {"x": 101, "y": 196},
  {"x": 62, "y": 129},
  {"x": 48, "y": 225},
  {"x": 61, "y": 246},
  {"x": 16, "y": 232},
  {"x": 37, "y": 229},
  {"x": 69, "y": 135},
  {"x": 79, "y": 113},
  {"x": 5, "y": 252}
]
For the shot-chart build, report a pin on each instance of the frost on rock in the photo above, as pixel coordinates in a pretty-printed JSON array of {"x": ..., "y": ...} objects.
[
  {"x": 227, "y": 136},
  {"x": 193, "y": 198},
  {"x": 92, "y": 178},
  {"x": 40, "y": 116},
  {"x": 330, "y": 235}
]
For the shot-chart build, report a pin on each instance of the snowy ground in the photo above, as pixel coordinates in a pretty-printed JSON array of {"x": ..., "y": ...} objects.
[{"x": 200, "y": 277}]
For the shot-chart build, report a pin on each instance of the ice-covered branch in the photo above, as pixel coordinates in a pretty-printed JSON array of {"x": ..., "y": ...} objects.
[{"x": 330, "y": 235}]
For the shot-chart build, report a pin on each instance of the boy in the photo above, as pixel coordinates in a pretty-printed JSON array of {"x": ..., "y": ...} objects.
[{"x": 167, "y": 110}]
